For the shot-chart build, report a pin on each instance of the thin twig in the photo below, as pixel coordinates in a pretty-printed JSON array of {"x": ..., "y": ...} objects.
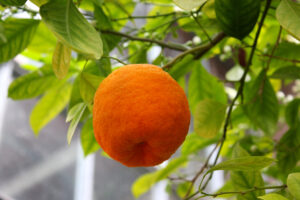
[
  {"x": 198, "y": 51},
  {"x": 294, "y": 61},
  {"x": 173, "y": 46},
  {"x": 242, "y": 192},
  {"x": 274, "y": 48},
  {"x": 201, "y": 27},
  {"x": 116, "y": 59},
  {"x": 145, "y": 17},
  {"x": 200, "y": 172}
]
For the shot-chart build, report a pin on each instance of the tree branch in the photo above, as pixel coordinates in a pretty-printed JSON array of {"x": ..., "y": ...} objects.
[
  {"x": 173, "y": 46},
  {"x": 242, "y": 192},
  {"x": 144, "y": 17},
  {"x": 198, "y": 51}
]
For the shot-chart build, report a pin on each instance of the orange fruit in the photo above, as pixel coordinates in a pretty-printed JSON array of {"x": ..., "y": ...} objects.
[{"x": 140, "y": 115}]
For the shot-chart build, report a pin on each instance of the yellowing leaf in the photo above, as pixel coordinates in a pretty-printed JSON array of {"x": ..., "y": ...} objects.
[
  {"x": 209, "y": 117},
  {"x": 189, "y": 4},
  {"x": 61, "y": 60},
  {"x": 288, "y": 15}
]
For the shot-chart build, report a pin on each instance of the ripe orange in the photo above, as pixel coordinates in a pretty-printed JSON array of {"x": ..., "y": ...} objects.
[{"x": 140, "y": 115}]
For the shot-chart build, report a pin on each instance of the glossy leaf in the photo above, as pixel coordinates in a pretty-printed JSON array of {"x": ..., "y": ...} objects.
[
  {"x": 189, "y": 4},
  {"x": 88, "y": 140},
  {"x": 146, "y": 181},
  {"x": 71, "y": 28},
  {"x": 209, "y": 117},
  {"x": 247, "y": 163},
  {"x": 261, "y": 104},
  {"x": 288, "y": 15},
  {"x": 12, "y": 2},
  {"x": 290, "y": 72},
  {"x": 32, "y": 84},
  {"x": 237, "y": 18},
  {"x": 76, "y": 114},
  {"x": 293, "y": 183},
  {"x": 203, "y": 85},
  {"x": 272, "y": 196},
  {"x": 49, "y": 106},
  {"x": 61, "y": 60},
  {"x": 18, "y": 34},
  {"x": 88, "y": 86}
]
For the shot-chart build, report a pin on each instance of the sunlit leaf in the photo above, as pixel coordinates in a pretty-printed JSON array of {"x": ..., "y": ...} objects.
[
  {"x": 49, "y": 106},
  {"x": 76, "y": 114},
  {"x": 88, "y": 86},
  {"x": 209, "y": 117},
  {"x": 71, "y": 28},
  {"x": 88, "y": 140},
  {"x": 189, "y": 4},
  {"x": 61, "y": 60},
  {"x": 247, "y": 163},
  {"x": 18, "y": 34},
  {"x": 272, "y": 196},
  {"x": 32, "y": 84},
  {"x": 13, "y": 2},
  {"x": 293, "y": 183},
  {"x": 146, "y": 181},
  {"x": 288, "y": 15}
]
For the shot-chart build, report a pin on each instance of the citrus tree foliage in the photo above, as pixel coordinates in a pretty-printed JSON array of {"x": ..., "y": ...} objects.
[{"x": 248, "y": 118}]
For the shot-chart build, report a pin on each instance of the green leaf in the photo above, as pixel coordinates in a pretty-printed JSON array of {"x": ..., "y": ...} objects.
[
  {"x": 2, "y": 34},
  {"x": 39, "y": 3},
  {"x": 88, "y": 140},
  {"x": 32, "y": 84},
  {"x": 288, "y": 151},
  {"x": 247, "y": 163},
  {"x": 61, "y": 60},
  {"x": 288, "y": 15},
  {"x": 71, "y": 28},
  {"x": 12, "y": 2},
  {"x": 182, "y": 67},
  {"x": 272, "y": 196},
  {"x": 189, "y": 4},
  {"x": 245, "y": 180},
  {"x": 293, "y": 183},
  {"x": 146, "y": 181},
  {"x": 18, "y": 34},
  {"x": 237, "y": 18},
  {"x": 292, "y": 113},
  {"x": 193, "y": 143},
  {"x": 261, "y": 104},
  {"x": 75, "y": 114},
  {"x": 209, "y": 117},
  {"x": 50, "y": 106},
  {"x": 290, "y": 72},
  {"x": 203, "y": 85},
  {"x": 88, "y": 86},
  {"x": 43, "y": 41}
]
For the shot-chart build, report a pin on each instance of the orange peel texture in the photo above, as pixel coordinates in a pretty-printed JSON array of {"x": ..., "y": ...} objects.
[{"x": 140, "y": 115}]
